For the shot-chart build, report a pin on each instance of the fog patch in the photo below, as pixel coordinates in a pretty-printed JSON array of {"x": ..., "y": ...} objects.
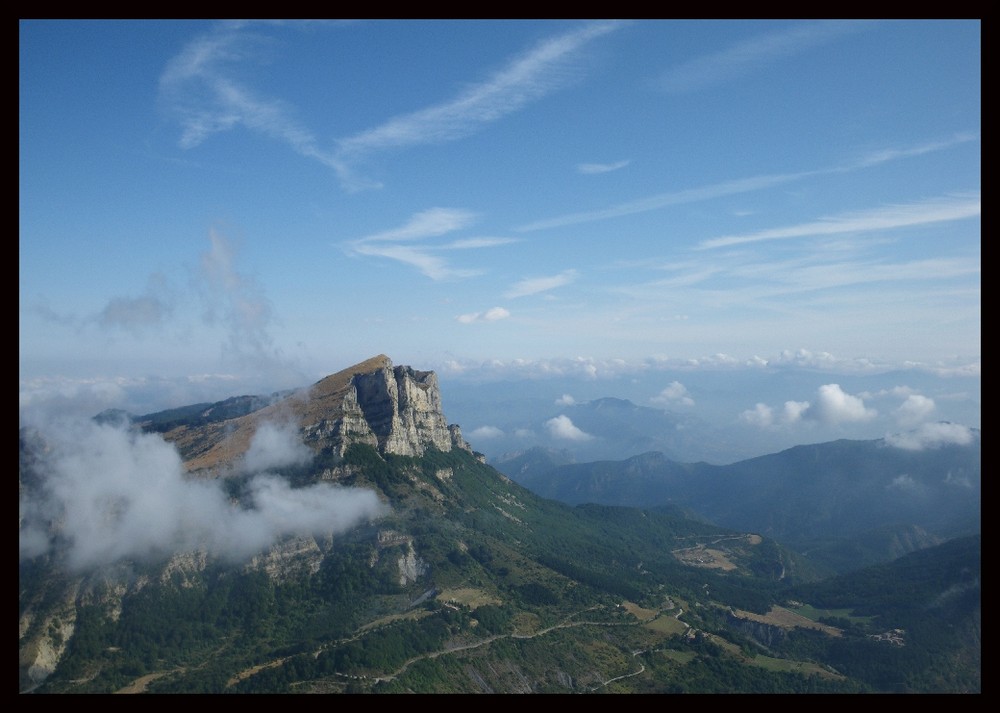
[
  {"x": 276, "y": 446},
  {"x": 101, "y": 493}
]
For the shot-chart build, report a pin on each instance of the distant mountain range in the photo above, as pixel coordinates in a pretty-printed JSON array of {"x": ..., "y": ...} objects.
[
  {"x": 808, "y": 496},
  {"x": 608, "y": 428},
  {"x": 704, "y": 415},
  {"x": 346, "y": 538}
]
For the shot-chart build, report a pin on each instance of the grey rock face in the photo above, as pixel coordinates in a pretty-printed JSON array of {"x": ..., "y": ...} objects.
[
  {"x": 394, "y": 409},
  {"x": 403, "y": 409}
]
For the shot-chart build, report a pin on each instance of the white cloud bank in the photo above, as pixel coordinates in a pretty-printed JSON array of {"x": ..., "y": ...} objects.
[{"x": 119, "y": 494}]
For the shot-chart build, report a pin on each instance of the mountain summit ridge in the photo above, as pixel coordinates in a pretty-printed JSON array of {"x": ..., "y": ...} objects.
[{"x": 395, "y": 409}]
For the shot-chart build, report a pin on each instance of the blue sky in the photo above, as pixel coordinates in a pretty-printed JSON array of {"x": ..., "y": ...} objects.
[{"x": 254, "y": 205}]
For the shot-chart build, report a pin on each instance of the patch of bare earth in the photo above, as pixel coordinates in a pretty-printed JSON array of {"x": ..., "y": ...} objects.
[
  {"x": 140, "y": 684},
  {"x": 786, "y": 619}
]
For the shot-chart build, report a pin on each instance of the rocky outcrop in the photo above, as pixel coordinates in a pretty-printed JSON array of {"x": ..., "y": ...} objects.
[
  {"x": 766, "y": 634},
  {"x": 402, "y": 408},
  {"x": 395, "y": 409}
]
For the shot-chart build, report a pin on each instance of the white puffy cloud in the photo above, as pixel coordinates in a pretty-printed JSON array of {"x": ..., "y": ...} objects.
[
  {"x": 562, "y": 427},
  {"x": 486, "y": 432},
  {"x": 761, "y": 415},
  {"x": 914, "y": 410},
  {"x": 932, "y": 435},
  {"x": 565, "y": 400},
  {"x": 674, "y": 393},
  {"x": 833, "y": 405},
  {"x": 794, "y": 410}
]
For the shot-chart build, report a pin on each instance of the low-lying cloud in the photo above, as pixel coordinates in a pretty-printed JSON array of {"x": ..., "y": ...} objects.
[
  {"x": 114, "y": 493},
  {"x": 932, "y": 435},
  {"x": 275, "y": 446},
  {"x": 562, "y": 427}
]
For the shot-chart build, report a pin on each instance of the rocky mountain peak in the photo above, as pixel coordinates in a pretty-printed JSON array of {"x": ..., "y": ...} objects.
[{"x": 395, "y": 409}]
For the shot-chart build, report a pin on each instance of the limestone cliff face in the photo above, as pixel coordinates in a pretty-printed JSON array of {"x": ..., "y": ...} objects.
[{"x": 395, "y": 409}]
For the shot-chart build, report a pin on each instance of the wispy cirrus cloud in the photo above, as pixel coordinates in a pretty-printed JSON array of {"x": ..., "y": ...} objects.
[
  {"x": 433, "y": 266},
  {"x": 426, "y": 224},
  {"x": 493, "y": 314},
  {"x": 403, "y": 244},
  {"x": 935, "y": 210},
  {"x": 662, "y": 200},
  {"x": 527, "y": 77},
  {"x": 594, "y": 168},
  {"x": 741, "y": 185},
  {"x": 816, "y": 276},
  {"x": 201, "y": 87},
  {"x": 885, "y": 155},
  {"x": 752, "y": 55},
  {"x": 472, "y": 243},
  {"x": 534, "y": 285}
]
